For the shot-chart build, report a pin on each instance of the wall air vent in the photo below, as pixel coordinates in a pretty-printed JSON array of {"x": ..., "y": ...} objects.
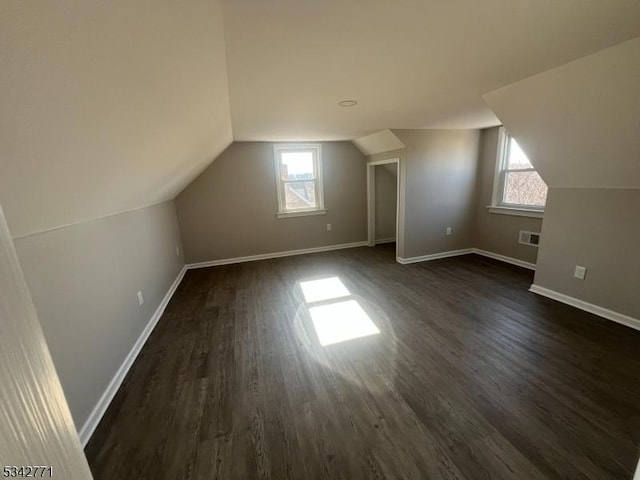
[{"x": 529, "y": 238}]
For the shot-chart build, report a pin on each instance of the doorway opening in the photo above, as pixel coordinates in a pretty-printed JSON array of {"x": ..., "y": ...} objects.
[{"x": 383, "y": 202}]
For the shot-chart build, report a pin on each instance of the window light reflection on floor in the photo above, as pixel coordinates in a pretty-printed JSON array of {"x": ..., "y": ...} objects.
[
  {"x": 341, "y": 321},
  {"x": 323, "y": 289}
]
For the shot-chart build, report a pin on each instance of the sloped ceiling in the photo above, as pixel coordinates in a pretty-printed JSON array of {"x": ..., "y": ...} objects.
[
  {"x": 580, "y": 123},
  {"x": 115, "y": 105},
  {"x": 106, "y": 106},
  {"x": 379, "y": 142},
  {"x": 410, "y": 64}
]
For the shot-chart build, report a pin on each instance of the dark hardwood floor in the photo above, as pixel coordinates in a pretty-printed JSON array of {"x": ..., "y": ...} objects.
[{"x": 470, "y": 377}]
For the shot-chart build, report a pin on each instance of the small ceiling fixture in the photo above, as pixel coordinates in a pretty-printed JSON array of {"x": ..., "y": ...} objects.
[{"x": 348, "y": 103}]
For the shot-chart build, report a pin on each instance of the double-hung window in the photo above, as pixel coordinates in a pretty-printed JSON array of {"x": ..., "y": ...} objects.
[
  {"x": 299, "y": 179},
  {"x": 517, "y": 185}
]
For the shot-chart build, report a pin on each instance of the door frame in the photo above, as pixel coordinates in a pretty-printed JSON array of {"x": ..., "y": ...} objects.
[{"x": 371, "y": 200}]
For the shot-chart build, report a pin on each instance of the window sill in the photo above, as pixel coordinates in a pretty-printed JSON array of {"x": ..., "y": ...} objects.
[
  {"x": 304, "y": 213},
  {"x": 519, "y": 212}
]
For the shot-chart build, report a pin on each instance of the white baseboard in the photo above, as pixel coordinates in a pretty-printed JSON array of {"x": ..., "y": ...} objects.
[
  {"x": 434, "y": 256},
  {"x": 105, "y": 400},
  {"x": 101, "y": 407},
  {"x": 385, "y": 240},
  {"x": 266, "y": 256},
  {"x": 466, "y": 251},
  {"x": 504, "y": 258},
  {"x": 587, "y": 307}
]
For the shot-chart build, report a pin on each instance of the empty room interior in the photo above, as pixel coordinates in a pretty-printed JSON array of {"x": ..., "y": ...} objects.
[{"x": 339, "y": 239}]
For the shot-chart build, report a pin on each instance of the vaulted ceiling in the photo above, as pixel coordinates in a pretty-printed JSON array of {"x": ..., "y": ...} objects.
[
  {"x": 110, "y": 106},
  {"x": 580, "y": 123},
  {"x": 106, "y": 106},
  {"x": 409, "y": 63}
]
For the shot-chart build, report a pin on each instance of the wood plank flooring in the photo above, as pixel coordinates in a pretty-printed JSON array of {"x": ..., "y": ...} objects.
[{"x": 470, "y": 377}]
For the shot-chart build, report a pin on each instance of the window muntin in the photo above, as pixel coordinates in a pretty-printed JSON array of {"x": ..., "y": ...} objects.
[
  {"x": 299, "y": 178},
  {"x": 520, "y": 186}
]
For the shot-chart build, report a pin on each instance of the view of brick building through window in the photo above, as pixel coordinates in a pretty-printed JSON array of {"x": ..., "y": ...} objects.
[
  {"x": 522, "y": 184},
  {"x": 299, "y": 180},
  {"x": 301, "y": 195}
]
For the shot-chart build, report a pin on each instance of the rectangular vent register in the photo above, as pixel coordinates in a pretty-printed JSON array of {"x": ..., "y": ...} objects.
[{"x": 529, "y": 238}]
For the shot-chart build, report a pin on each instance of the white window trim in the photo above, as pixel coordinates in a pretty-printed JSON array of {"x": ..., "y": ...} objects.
[
  {"x": 497, "y": 206},
  {"x": 518, "y": 212},
  {"x": 301, "y": 213},
  {"x": 319, "y": 209}
]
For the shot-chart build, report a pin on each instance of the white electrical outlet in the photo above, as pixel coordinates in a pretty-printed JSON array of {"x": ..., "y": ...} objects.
[
  {"x": 580, "y": 272},
  {"x": 140, "y": 298},
  {"x": 329, "y": 227},
  {"x": 448, "y": 230},
  {"x": 177, "y": 251}
]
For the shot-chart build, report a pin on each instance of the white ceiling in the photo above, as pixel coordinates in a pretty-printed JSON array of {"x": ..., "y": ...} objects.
[
  {"x": 580, "y": 123},
  {"x": 382, "y": 141},
  {"x": 409, "y": 63},
  {"x": 106, "y": 106},
  {"x": 110, "y": 106}
]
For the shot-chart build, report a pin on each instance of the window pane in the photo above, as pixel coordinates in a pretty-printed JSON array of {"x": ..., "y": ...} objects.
[
  {"x": 517, "y": 158},
  {"x": 296, "y": 165},
  {"x": 525, "y": 188},
  {"x": 300, "y": 195}
]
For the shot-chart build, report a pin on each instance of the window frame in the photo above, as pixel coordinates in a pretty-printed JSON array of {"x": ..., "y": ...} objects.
[
  {"x": 498, "y": 205},
  {"x": 319, "y": 208}
]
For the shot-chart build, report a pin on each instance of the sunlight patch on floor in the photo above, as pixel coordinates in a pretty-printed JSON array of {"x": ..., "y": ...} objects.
[
  {"x": 336, "y": 316},
  {"x": 323, "y": 289},
  {"x": 340, "y": 322}
]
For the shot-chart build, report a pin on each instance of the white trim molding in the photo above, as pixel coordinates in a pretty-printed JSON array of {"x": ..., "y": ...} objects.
[
  {"x": 499, "y": 178},
  {"x": 316, "y": 152},
  {"x": 434, "y": 256},
  {"x": 107, "y": 397},
  {"x": 371, "y": 202},
  {"x": 105, "y": 400},
  {"x": 384, "y": 162},
  {"x": 587, "y": 307},
  {"x": 504, "y": 258},
  {"x": 518, "y": 212},
  {"x": 301, "y": 213},
  {"x": 467, "y": 251},
  {"x": 266, "y": 256},
  {"x": 497, "y": 171}
]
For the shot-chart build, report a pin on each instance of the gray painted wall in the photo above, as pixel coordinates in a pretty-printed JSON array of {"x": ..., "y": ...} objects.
[
  {"x": 386, "y": 199},
  {"x": 439, "y": 177},
  {"x": 107, "y": 107},
  {"x": 230, "y": 209},
  {"x": 579, "y": 122},
  {"x": 84, "y": 279},
  {"x": 579, "y": 125},
  {"x": 494, "y": 232},
  {"x": 36, "y": 423},
  {"x": 598, "y": 229}
]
